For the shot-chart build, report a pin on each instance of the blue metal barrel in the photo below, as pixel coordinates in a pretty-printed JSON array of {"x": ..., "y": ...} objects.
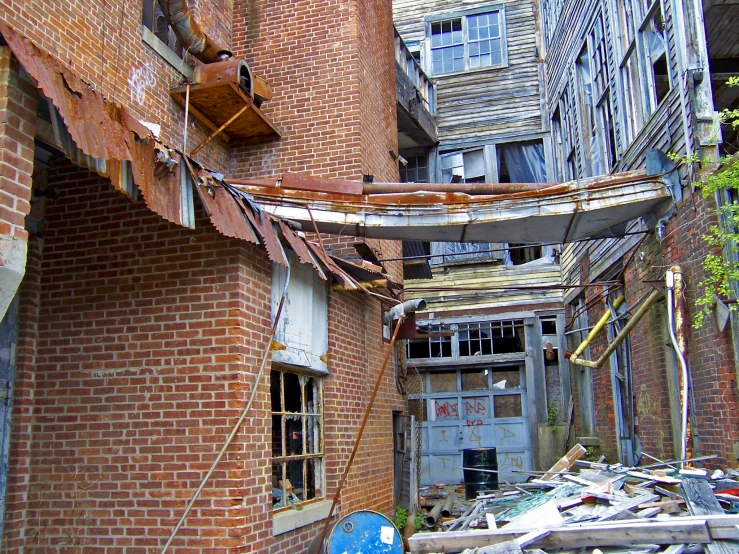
[{"x": 363, "y": 532}]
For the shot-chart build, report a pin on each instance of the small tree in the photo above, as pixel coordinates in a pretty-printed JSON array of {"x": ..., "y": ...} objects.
[{"x": 722, "y": 269}]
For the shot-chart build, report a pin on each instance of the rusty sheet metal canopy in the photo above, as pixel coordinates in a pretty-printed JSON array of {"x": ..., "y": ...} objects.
[{"x": 554, "y": 213}]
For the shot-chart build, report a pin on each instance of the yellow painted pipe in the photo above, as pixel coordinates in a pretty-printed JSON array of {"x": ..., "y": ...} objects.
[{"x": 595, "y": 330}]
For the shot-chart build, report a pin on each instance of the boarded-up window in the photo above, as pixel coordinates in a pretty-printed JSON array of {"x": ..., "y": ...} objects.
[{"x": 303, "y": 325}]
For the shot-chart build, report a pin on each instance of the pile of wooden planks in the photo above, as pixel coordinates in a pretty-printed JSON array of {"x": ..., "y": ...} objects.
[{"x": 618, "y": 509}]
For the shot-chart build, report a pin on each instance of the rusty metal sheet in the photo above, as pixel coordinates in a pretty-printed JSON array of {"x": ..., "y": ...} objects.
[
  {"x": 225, "y": 214},
  {"x": 346, "y": 280},
  {"x": 262, "y": 222},
  {"x": 300, "y": 181},
  {"x": 297, "y": 243},
  {"x": 93, "y": 123}
]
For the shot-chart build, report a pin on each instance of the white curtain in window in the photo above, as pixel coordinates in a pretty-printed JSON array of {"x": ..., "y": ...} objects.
[{"x": 525, "y": 161}]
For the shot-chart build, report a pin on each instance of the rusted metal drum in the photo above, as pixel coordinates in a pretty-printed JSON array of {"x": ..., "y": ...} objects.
[{"x": 361, "y": 532}]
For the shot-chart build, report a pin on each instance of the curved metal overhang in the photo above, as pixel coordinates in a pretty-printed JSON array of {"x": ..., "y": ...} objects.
[{"x": 558, "y": 213}]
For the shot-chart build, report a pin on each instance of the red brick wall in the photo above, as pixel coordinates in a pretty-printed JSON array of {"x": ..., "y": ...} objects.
[
  {"x": 17, "y": 127},
  {"x": 140, "y": 341},
  {"x": 710, "y": 357},
  {"x": 101, "y": 42}
]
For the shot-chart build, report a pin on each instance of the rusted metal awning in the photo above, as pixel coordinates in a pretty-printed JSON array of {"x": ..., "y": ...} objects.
[
  {"x": 121, "y": 148},
  {"x": 541, "y": 212}
]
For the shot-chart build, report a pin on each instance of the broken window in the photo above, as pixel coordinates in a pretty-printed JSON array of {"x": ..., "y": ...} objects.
[
  {"x": 433, "y": 341},
  {"x": 416, "y": 170},
  {"x": 482, "y": 338},
  {"x": 463, "y": 167},
  {"x": 297, "y": 438},
  {"x": 655, "y": 47},
  {"x": 153, "y": 19},
  {"x": 471, "y": 40}
]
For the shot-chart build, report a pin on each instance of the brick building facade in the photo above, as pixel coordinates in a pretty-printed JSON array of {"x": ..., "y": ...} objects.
[{"x": 137, "y": 340}]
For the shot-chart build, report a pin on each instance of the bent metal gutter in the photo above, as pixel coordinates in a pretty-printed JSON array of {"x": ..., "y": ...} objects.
[{"x": 189, "y": 32}]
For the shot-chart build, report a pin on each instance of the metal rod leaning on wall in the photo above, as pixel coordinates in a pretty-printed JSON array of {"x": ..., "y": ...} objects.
[
  {"x": 640, "y": 313},
  {"x": 235, "y": 429},
  {"x": 348, "y": 467},
  {"x": 597, "y": 328}
]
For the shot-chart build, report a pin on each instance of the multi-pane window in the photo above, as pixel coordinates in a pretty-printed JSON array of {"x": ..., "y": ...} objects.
[
  {"x": 490, "y": 337},
  {"x": 297, "y": 438},
  {"x": 462, "y": 340},
  {"x": 484, "y": 40},
  {"x": 432, "y": 341},
  {"x": 154, "y": 20},
  {"x": 644, "y": 72},
  {"x": 415, "y": 171},
  {"x": 447, "y": 46},
  {"x": 468, "y": 41}
]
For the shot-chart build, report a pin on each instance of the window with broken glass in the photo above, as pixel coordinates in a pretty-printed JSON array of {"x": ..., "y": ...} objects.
[
  {"x": 297, "y": 438},
  {"x": 513, "y": 162},
  {"x": 472, "y": 39},
  {"x": 461, "y": 340},
  {"x": 153, "y": 19},
  {"x": 643, "y": 70}
]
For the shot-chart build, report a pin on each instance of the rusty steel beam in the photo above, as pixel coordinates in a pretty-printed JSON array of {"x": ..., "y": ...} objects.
[{"x": 466, "y": 188}]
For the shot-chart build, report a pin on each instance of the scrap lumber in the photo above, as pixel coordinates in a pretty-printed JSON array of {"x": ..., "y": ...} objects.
[
  {"x": 701, "y": 501},
  {"x": 566, "y": 462},
  {"x": 514, "y": 546},
  {"x": 605, "y": 534}
]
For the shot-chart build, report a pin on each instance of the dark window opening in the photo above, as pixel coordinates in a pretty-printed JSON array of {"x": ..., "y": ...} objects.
[
  {"x": 297, "y": 439},
  {"x": 436, "y": 345},
  {"x": 153, "y": 19},
  {"x": 524, "y": 255}
]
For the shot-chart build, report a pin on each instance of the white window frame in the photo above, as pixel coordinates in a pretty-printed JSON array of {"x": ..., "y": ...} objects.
[{"x": 463, "y": 15}]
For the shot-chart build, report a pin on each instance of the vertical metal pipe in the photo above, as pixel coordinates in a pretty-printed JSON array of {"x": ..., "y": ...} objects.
[
  {"x": 670, "y": 285},
  {"x": 337, "y": 494}
]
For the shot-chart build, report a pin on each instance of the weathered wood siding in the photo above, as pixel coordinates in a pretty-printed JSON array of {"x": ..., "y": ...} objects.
[
  {"x": 483, "y": 105},
  {"x": 470, "y": 276},
  {"x": 669, "y": 128}
]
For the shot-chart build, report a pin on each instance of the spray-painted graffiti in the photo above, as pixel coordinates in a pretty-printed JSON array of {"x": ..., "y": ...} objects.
[
  {"x": 446, "y": 409},
  {"x": 443, "y": 436},
  {"x": 141, "y": 78},
  {"x": 476, "y": 407},
  {"x": 473, "y": 422},
  {"x": 474, "y": 437},
  {"x": 507, "y": 433},
  {"x": 511, "y": 462}
]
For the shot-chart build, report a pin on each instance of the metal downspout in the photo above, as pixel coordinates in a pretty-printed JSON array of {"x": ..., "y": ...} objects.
[
  {"x": 236, "y": 427},
  {"x": 675, "y": 274},
  {"x": 192, "y": 37}
]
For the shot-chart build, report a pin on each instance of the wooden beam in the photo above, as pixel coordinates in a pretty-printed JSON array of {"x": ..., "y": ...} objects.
[
  {"x": 621, "y": 534},
  {"x": 566, "y": 462}
]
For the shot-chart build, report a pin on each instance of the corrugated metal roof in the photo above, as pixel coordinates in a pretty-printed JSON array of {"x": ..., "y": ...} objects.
[{"x": 418, "y": 268}]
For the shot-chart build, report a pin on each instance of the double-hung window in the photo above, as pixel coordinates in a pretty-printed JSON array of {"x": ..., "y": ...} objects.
[{"x": 471, "y": 39}]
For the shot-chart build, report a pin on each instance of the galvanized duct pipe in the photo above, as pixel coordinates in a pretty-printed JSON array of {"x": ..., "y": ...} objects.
[{"x": 192, "y": 37}]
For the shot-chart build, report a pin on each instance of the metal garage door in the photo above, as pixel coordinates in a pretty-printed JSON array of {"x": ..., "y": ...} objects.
[{"x": 471, "y": 408}]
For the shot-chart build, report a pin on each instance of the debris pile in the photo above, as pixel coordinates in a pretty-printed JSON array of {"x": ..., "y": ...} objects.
[{"x": 605, "y": 509}]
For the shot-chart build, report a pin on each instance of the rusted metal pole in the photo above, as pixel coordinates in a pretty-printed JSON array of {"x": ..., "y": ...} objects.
[
  {"x": 367, "y": 411},
  {"x": 218, "y": 131},
  {"x": 467, "y": 188}
]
